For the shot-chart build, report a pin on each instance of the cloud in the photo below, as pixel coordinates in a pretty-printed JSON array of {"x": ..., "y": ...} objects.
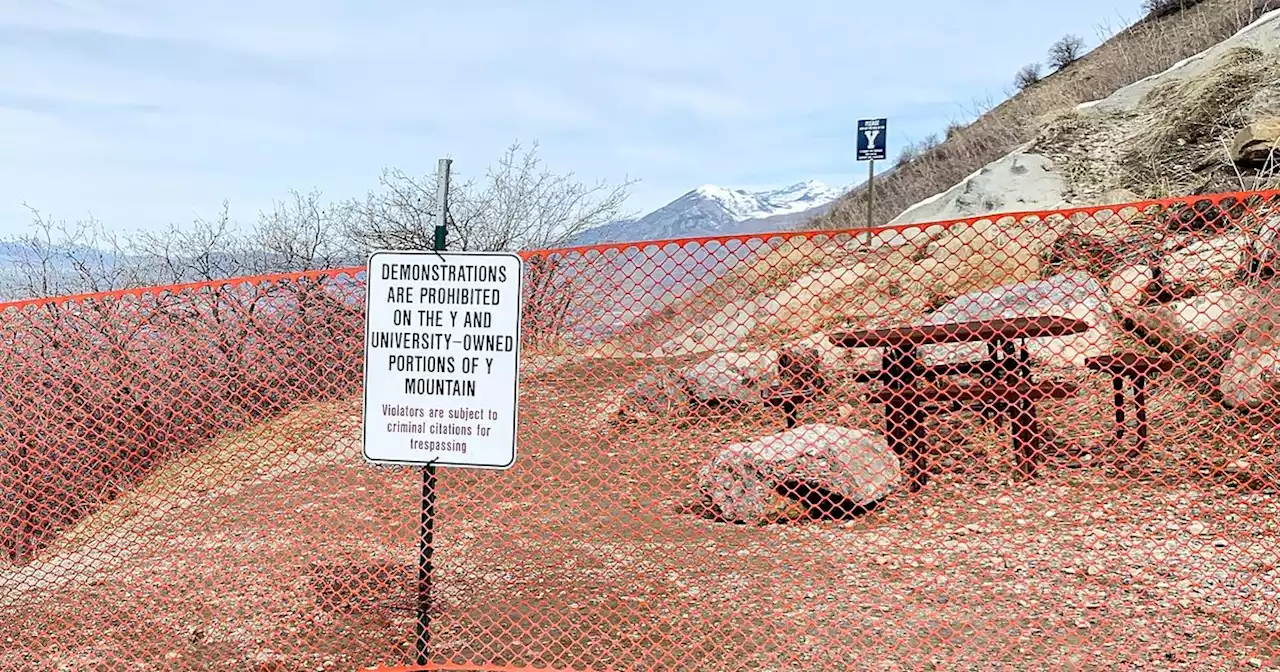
[{"x": 145, "y": 113}]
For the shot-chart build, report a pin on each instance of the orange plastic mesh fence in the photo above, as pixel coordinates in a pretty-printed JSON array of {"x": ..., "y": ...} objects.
[{"x": 1030, "y": 440}]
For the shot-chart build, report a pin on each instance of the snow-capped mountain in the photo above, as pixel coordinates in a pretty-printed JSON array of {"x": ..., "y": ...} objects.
[
  {"x": 743, "y": 205},
  {"x": 711, "y": 210}
]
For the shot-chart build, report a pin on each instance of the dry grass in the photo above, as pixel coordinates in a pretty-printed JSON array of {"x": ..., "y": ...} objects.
[
  {"x": 1148, "y": 47},
  {"x": 1175, "y": 155}
]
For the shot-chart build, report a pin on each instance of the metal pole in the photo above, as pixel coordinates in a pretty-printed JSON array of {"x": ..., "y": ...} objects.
[
  {"x": 427, "y": 524},
  {"x": 871, "y": 195}
]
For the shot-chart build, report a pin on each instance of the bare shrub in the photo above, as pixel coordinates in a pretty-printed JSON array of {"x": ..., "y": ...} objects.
[
  {"x": 1065, "y": 51},
  {"x": 108, "y": 386},
  {"x": 519, "y": 205},
  {"x": 915, "y": 150},
  {"x": 1027, "y": 76}
]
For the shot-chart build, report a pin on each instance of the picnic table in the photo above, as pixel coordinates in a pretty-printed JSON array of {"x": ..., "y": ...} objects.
[{"x": 1005, "y": 383}]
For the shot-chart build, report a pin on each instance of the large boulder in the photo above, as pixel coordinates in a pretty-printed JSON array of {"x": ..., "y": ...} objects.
[
  {"x": 1194, "y": 323},
  {"x": 732, "y": 377},
  {"x": 819, "y": 294},
  {"x": 1017, "y": 182},
  {"x": 1251, "y": 374},
  {"x": 1075, "y": 294},
  {"x": 833, "y": 469},
  {"x": 1207, "y": 264},
  {"x": 978, "y": 256},
  {"x": 1257, "y": 143},
  {"x": 1262, "y": 258},
  {"x": 1129, "y": 286},
  {"x": 722, "y": 331},
  {"x": 835, "y": 359},
  {"x": 658, "y": 394},
  {"x": 1112, "y": 225},
  {"x": 739, "y": 377}
]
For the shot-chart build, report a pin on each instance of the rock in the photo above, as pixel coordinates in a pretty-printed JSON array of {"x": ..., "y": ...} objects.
[
  {"x": 1208, "y": 264},
  {"x": 1251, "y": 374},
  {"x": 1128, "y": 287},
  {"x": 1200, "y": 215},
  {"x": 1112, "y": 225},
  {"x": 834, "y": 358},
  {"x": 721, "y": 331},
  {"x": 739, "y": 377},
  {"x": 835, "y": 469},
  {"x": 658, "y": 394},
  {"x": 1255, "y": 144},
  {"x": 1263, "y": 249},
  {"x": 1074, "y": 294},
  {"x": 1017, "y": 182},
  {"x": 1198, "y": 320},
  {"x": 800, "y": 304},
  {"x": 974, "y": 256},
  {"x": 735, "y": 377}
]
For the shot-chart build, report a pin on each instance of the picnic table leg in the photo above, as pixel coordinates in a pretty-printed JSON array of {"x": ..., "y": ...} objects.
[
  {"x": 789, "y": 412},
  {"x": 903, "y": 424},
  {"x": 904, "y": 428},
  {"x": 1117, "y": 385},
  {"x": 1025, "y": 429},
  {"x": 1140, "y": 400},
  {"x": 897, "y": 430},
  {"x": 916, "y": 450}
]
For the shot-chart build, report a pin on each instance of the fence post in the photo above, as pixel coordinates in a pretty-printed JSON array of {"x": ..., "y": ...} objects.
[
  {"x": 426, "y": 541},
  {"x": 871, "y": 197}
]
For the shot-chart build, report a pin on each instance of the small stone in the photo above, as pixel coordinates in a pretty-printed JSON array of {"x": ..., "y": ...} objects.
[
  {"x": 1237, "y": 467},
  {"x": 1093, "y": 570},
  {"x": 1256, "y": 662},
  {"x": 1197, "y": 528},
  {"x": 1220, "y": 543},
  {"x": 1050, "y": 513}
]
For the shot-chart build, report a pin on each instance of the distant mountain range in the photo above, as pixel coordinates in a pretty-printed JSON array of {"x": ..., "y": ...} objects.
[
  {"x": 613, "y": 291},
  {"x": 714, "y": 211}
]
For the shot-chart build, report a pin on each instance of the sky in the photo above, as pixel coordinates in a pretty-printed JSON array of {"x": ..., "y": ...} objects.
[{"x": 141, "y": 114}]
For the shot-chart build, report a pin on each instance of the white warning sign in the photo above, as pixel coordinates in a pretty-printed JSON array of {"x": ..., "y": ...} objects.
[{"x": 442, "y": 358}]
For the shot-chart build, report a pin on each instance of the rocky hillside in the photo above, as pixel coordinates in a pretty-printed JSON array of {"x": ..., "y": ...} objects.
[
  {"x": 1182, "y": 279},
  {"x": 1147, "y": 48}
]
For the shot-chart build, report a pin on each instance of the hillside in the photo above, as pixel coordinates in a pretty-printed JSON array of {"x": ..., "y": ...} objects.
[
  {"x": 1168, "y": 132},
  {"x": 1146, "y": 48}
]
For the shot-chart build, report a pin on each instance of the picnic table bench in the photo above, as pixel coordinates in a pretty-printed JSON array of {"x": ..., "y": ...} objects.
[{"x": 1005, "y": 385}]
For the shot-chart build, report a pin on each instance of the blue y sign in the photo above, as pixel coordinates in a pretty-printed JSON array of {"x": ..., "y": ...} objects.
[{"x": 872, "y": 139}]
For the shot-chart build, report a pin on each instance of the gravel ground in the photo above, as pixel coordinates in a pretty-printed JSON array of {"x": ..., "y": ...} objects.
[{"x": 585, "y": 556}]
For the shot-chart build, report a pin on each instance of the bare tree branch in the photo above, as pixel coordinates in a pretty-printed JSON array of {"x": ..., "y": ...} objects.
[{"x": 520, "y": 205}]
